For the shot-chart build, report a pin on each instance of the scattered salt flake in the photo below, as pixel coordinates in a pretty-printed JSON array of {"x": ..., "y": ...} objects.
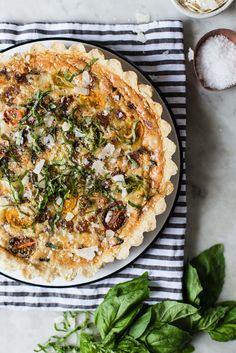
[
  {"x": 86, "y": 253},
  {"x": 190, "y": 54},
  {"x": 69, "y": 216},
  {"x": 216, "y": 62},
  {"x": 39, "y": 166},
  {"x": 141, "y": 37},
  {"x": 66, "y": 126},
  {"x": 142, "y": 17},
  {"x": 109, "y": 233}
]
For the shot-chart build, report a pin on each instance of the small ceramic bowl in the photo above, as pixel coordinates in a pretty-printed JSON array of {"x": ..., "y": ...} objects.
[{"x": 193, "y": 14}]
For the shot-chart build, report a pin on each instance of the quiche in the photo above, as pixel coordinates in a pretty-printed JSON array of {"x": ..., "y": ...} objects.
[{"x": 85, "y": 162}]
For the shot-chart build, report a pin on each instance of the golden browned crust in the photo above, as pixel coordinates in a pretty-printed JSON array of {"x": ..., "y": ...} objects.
[{"x": 154, "y": 139}]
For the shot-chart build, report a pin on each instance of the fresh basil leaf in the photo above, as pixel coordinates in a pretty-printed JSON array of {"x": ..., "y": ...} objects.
[
  {"x": 211, "y": 318},
  {"x": 226, "y": 329},
  {"x": 129, "y": 345},
  {"x": 120, "y": 326},
  {"x": 188, "y": 349},
  {"x": 119, "y": 302},
  {"x": 141, "y": 324},
  {"x": 210, "y": 266},
  {"x": 192, "y": 285},
  {"x": 169, "y": 311},
  {"x": 89, "y": 345},
  {"x": 165, "y": 338}
]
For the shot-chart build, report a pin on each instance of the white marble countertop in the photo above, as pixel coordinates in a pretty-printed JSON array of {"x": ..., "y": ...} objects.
[{"x": 211, "y": 155}]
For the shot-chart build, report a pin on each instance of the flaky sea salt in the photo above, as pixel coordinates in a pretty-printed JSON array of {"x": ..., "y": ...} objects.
[{"x": 216, "y": 62}]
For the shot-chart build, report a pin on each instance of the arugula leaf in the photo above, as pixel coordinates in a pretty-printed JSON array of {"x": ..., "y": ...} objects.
[
  {"x": 169, "y": 311},
  {"x": 120, "y": 302},
  {"x": 210, "y": 266},
  {"x": 165, "y": 338},
  {"x": 211, "y": 318},
  {"x": 192, "y": 285},
  {"x": 226, "y": 329},
  {"x": 70, "y": 78},
  {"x": 129, "y": 345}
]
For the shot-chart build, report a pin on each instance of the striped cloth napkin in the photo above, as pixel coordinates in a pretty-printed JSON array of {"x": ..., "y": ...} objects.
[{"x": 158, "y": 51}]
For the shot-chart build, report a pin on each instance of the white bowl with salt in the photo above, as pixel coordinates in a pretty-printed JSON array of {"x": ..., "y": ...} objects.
[{"x": 201, "y": 8}]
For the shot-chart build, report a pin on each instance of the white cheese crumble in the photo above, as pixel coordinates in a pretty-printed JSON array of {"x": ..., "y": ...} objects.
[
  {"x": 142, "y": 17},
  {"x": 18, "y": 137},
  {"x": 78, "y": 133},
  {"x": 190, "y": 54},
  {"x": 81, "y": 90},
  {"x": 41, "y": 181},
  {"x": 86, "y": 79},
  {"x": 107, "y": 151},
  {"x": 39, "y": 166},
  {"x": 120, "y": 180},
  {"x": 48, "y": 121},
  {"x": 86, "y": 253},
  {"x": 66, "y": 126},
  {"x": 98, "y": 167},
  {"x": 141, "y": 37},
  {"x": 108, "y": 217},
  {"x": 69, "y": 216},
  {"x": 59, "y": 200},
  {"x": 109, "y": 233},
  {"x": 48, "y": 141},
  {"x": 116, "y": 97}
]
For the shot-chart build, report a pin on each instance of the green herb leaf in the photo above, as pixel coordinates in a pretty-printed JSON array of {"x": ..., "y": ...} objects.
[
  {"x": 140, "y": 325},
  {"x": 70, "y": 78},
  {"x": 210, "y": 266},
  {"x": 165, "y": 338},
  {"x": 119, "y": 302},
  {"x": 188, "y": 349},
  {"x": 134, "y": 205},
  {"x": 192, "y": 285},
  {"x": 210, "y": 318},
  {"x": 226, "y": 328},
  {"x": 169, "y": 311},
  {"x": 129, "y": 345}
]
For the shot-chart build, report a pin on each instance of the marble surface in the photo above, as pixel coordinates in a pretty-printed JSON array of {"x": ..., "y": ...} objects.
[{"x": 211, "y": 156}]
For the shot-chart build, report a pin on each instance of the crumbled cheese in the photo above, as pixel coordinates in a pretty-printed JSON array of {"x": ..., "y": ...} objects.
[
  {"x": 120, "y": 115},
  {"x": 41, "y": 181},
  {"x": 59, "y": 200},
  {"x": 48, "y": 141},
  {"x": 109, "y": 233},
  {"x": 108, "y": 217},
  {"x": 86, "y": 79},
  {"x": 85, "y": 161},
  {"x": 98, "y": 167},
  {"x": 66, "y": 126},
  {"x": 78, "y": 133},
  {"x": 48, "y": 121},
  {"x": 113, "y": 161},
  {"x": 69, "y": 216},
  {"x": 28, "y": 194},
  {"x": 39, "y": 166},
  {"x": 116, "y": 97},
  {"x": 94, "y": 225},
  {"x": 107, "y": 151},
  {"x": 190, "y": 54},
  {"x": 119, "y": 178},
  {"x": 18, "y": 137},
  {"x": 86, "y": 253},
  {"x": 81, "y": 90},
  {"x": 202, "y": 6}
]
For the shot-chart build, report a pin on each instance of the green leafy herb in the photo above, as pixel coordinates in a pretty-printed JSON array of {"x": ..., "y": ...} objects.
[
  {"x": 70, "y": 77},
  {"x": 210, "y": 266},
  {"x": 193, "y": 285},
  {"x": 134, "y": 205},
  {"x": 127, "y": 325}
]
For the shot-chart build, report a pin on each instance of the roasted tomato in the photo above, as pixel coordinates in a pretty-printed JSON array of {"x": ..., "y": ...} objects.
[
  {"x": 114, "y": 216},
  {"x": 21, "y": 246},
  {"x": 12, "y": 116},
  {"x": 70, "y": 204},
  {"x": 15, "y": 220}
]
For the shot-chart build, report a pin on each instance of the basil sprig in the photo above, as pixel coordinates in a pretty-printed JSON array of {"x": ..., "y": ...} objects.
[{"x": 123, "y": 323}]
